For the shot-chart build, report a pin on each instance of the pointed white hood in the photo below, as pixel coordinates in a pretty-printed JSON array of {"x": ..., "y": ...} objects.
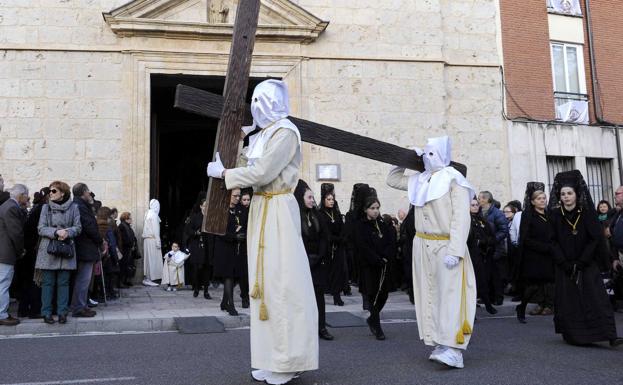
[{"x": 438, "y": 175}]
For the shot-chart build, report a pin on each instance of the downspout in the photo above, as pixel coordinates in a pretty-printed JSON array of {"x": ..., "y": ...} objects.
[{"x": 595, "y": 87}]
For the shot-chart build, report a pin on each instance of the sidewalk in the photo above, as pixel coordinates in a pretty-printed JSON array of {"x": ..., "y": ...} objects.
[{"x": 144, "y": 309}]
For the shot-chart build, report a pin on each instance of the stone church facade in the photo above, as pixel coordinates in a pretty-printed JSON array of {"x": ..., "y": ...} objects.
[{"x": 75, "y": 83}]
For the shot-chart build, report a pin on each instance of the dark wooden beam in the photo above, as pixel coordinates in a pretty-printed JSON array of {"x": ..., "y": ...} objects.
[
  {"x": 232, "y": 111},
  {"x": 211, "y": 105}
]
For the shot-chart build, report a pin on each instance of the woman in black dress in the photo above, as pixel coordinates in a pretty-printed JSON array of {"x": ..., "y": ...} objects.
[
  {"x": 332, "y": 220},
  {"x": 129, "y": 249},
  {"x": 535, "y": 271},
  {"x": 197, "y": 244},
  {"x": 357, "y": 200},
  {"x": 227, "y": 265},
  {"x": 316, "y": 240},
  {"x": 481, "y": 245},
  {"x": 375, "y": 249},
  {"x": 583, "y": 314},
  {"x": 241, "y": 238}
]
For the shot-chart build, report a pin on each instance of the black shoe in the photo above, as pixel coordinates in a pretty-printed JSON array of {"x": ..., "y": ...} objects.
[
  {"x": 232, "y": 310},
  {"x": 48, "y": 319},
  {"x": 223, "y": 306},
  {"x": 325, "y": 335},
  {"x": 35, "y": 316},
  {"x": 337, "y": 301},
  {"x": 411, "y": 298},
  {"x": 206, "y": 294},
  {"x": 499, "y": 302},
  {"x": 521, "y": 314},
  {"x": 380, "y": 335},
  {"x": 62, "y": 319},
  {"x": 490, "y": 309},
  {"x": 245, "y": 303},
  {"x": 128, "y": 283},
  {"x": 372, "y": 326},
  {"x": 195, "y": 293},
  {"x": 616, "y": 342},
  {"x": 516, "y": 298}
]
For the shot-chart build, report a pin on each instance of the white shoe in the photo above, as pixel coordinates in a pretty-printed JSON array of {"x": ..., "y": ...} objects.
[
  {"x": 93, "y": 302},
  {"x": 147, "y": 282},
  {"x": 451, "y": 357},
  {"x": 174, "y": 289},
  {"x": 275, "y": 378},
  {"x": 168, "y": 289},
  {"x": 438, "y": 350},
  {"x": 260, "y": 375}
]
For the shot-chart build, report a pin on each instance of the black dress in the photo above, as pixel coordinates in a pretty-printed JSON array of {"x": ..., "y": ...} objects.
[
  {"x": 198, "y": 245},
  {"x": 338, "y": 269},
  {"x": 227, "y": 260},
  {"x": 315, "y": 239},
  {"x": 375, "y": 249},
  {"x": 481, "y": 245},
  {"x": 583, "y": 313},
  {"x": 242, "y": 253},
  {"x": 129, "y": 250}
]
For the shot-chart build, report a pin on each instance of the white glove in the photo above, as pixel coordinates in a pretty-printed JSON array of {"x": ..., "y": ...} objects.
[
  {"x": 450, "y": 261},
  {"x": 215, "y": 169}
]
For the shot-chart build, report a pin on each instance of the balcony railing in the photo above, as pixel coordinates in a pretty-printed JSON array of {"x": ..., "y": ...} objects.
[{"x": 571, "y": 107}]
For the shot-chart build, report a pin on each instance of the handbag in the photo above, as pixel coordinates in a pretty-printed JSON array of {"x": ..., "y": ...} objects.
[
  {"x": 62, "y": 249},
  {"x": 314, "y": 259}
]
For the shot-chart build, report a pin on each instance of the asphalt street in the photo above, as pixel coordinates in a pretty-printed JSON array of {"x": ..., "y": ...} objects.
[{"x": 502, "y": 352}]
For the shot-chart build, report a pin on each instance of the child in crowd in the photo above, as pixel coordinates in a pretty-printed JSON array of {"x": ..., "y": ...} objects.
[{"x": 173, "y": 268}]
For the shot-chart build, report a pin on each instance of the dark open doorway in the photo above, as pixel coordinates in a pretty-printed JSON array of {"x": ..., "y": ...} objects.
[{"x": 181, "y": 147}]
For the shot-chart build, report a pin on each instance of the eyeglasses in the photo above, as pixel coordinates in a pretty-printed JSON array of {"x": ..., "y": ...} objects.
[{"x": 53, "y": 191}]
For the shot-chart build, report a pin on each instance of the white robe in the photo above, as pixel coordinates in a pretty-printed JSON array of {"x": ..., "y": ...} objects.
[
  {"x": 437, "y": 289},
  {"x": 152, "y": 256},
  {"x": 173, "y": 268},
  {"x": 288, "y": 340}
]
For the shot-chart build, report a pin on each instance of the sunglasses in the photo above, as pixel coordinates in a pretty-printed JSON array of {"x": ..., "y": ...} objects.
[{"x": 53, "y": 191}]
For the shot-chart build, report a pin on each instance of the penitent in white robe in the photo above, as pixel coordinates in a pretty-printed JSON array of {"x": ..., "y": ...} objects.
[
  {"x": 152, "y": 256},
  {"x": 288, "y": 340},
  {"x": 437, "y": 289}
]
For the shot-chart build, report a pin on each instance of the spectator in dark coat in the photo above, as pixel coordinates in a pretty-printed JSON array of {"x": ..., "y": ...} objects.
[
  {"x": 496, "y": 218},
  {"x": 12, "y": 220},
  {"x": 29, "y": 294},
  {"x": 4, "y": 195},
  {"x": 129, "y": 249},
  {"x": 88, "y": 245}
]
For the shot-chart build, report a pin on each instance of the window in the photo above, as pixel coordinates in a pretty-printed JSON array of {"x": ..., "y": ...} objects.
[
  {"x": 569, "y": 83},
  {"x": 599, "y": 179},
  {"x": 556, "y": 164},
  {"x": 565, "y": 7}
]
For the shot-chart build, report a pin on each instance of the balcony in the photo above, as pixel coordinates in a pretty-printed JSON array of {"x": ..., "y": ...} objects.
[
  {"x": 571, "y": 107},
  {"x": 564, "y": 7}
]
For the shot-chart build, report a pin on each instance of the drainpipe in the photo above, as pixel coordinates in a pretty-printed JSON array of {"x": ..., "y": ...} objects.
[{"x": 595, "y": 87}]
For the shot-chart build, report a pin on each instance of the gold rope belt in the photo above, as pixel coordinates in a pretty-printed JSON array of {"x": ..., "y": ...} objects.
[
  {"x": 433, "y": 237},
  {"x": 258, "y": 288},
  {"x": 465, "y": 327}
]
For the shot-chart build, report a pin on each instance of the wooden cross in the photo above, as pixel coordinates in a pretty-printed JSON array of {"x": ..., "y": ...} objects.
[{"x": 233, "y": 113}]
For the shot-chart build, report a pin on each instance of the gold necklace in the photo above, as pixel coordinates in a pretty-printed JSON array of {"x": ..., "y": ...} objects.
[
  {"x": 376, "y": 223},
  {"x": 330, "y": 216},
  {"x": 574, "y": 231}
]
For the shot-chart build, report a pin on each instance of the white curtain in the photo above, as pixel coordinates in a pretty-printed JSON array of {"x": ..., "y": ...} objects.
[
  {"x": 575, "y": 111},
  {"x": 568, "y": 7}
]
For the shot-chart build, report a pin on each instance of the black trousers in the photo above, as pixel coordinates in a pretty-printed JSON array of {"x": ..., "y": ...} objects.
[
  {"x": 377, "y": 300},
  {"x": 497, "y": 278},
  {"x": 319, "y": 292},
  {"x": 29, "y": 297}
]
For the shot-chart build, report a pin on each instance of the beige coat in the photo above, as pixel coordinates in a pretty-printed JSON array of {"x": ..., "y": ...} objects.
[
  {"x": 437, "y": 289},
  {"x": 288, "y": 340}
]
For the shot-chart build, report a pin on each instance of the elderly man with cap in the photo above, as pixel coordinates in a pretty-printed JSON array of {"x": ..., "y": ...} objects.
[
  {"x": 443, "y": 277},
  {"x": 284, "y": 322}
]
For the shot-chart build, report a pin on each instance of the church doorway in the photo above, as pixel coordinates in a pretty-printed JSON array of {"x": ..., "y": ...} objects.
[{"x": 181, "y": 147}]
